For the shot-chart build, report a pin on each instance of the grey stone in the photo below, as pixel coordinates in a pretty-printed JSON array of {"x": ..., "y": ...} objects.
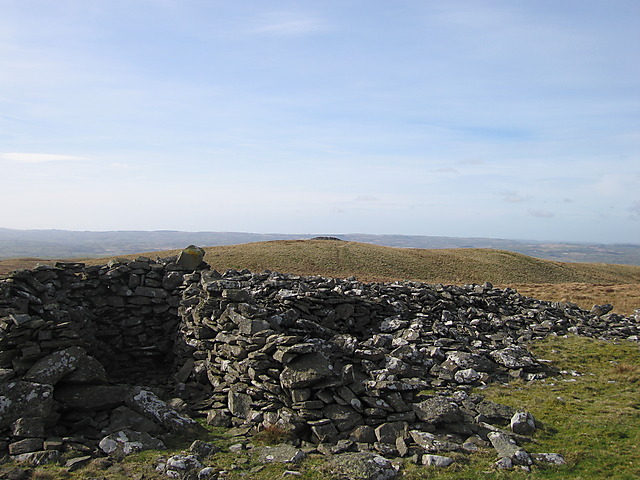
[
  {"x": 191, "y": 257},
  {"x": 89, "y": 371},
  {"x": 344, "y": 417},
  {"x": 430, "y": 442},
  {"x": 21, "y": 399},
  {"x": 126, "y": 442},
  {"x": 282, "y": 453},
  {"x": 172, "y": 280},
  {"x": 363, "y": 434},
  {"x": 507, "y": 447},
  {"x": 514, "y": 357},
  {"x": 362, "y": 466},
  {"x": 180, "y": 465},
  {"x": 38, "y": 458},
  {"x": 494, "y": 412},
  {"x": 25, "y": 446},
  {"x": 548, "y": 459},
  {"x": 438, "y": 410},
  {"x": 390, "y": 432},
  {"x": 203, "y": 449},
  {"x": 124, "y": 418},
  {"x": 77, "y": 463},
  {"x": 55, "y": 366},
  {"x": 523, "y": 423},
  {"x": 148, "y": 404},
  {"x": 219, "y": 418},
  {"x": 504, "y": 463},
  {"x": 306, "y": 370},
  {"x": 28, "y": 427},
  {"x": 239, "y": 403},
  {"x": 325, "y": 432},
  {"x": 465, "y": 360},
  {"x": 436, "y": 461},
  {"x": 466, "y": 376},
  {"x": 91, "y": 397}
]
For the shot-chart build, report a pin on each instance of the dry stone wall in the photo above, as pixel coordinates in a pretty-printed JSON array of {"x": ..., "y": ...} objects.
[{"x": 110, "y": 359}]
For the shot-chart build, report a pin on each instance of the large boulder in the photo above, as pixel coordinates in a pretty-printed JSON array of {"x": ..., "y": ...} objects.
[
  {"x": 437, "y": 410},
  {"x": 306, "y": 370},
  {"x": 24, "y": 399},
  {"x": 55, "y": 366},
  {"x": 148, "y": 404},
  {"x": 191, "y": 257}
]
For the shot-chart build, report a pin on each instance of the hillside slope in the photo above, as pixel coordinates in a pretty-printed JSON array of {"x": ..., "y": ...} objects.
[
  {"x": 375, "y": 263},
  {"x": 582, "y": 283}
]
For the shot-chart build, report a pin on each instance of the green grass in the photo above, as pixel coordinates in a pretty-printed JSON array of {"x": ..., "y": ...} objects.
[{"x": 592, "y": 419}]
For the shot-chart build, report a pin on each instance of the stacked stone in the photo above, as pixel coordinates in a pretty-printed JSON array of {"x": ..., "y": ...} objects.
[
  {"x": 67, "y": 334},
  {"x": 344, "y": 363}
]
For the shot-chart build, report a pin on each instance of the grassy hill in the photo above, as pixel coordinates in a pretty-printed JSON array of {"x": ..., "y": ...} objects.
[
  {"x": 582, "y": 283},
  {"x": 376, "y": 263}
]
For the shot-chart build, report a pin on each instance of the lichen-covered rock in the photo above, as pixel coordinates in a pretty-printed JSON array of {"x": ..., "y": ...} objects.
[
  {"x": 21, "y": 399},
  {"x": 438, "y": 410},
  {"x": 126, "y": 442},
  {"x": 523, "y": 423},
  {"x": 191, "y": 257},
  {"x": 362, "y": 466},
  {"x": 436, "y": 461},
  {"x": 52, "y": 368},
  {"x": 282, "y": 453},
  {"x": 148, "y": 404},
  {"x": 548, "y": 459},
  {"x": 506, "y": 447},
  {"x": 306, "y": 370}
]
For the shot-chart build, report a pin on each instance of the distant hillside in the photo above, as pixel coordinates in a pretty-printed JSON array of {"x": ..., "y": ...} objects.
[
  {"x": 67, "y": 244},
  {"x": 581, "y": 283},
  {"x": 375, "y": 263}
]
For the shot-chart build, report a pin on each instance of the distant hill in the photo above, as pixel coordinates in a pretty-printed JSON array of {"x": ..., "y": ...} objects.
[
  {"x": 581, "y": 283},
  {"x": 69, "y": 244}
]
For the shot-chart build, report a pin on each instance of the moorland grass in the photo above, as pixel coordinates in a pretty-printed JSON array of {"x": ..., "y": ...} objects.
[{"x": 590, "y": 415}]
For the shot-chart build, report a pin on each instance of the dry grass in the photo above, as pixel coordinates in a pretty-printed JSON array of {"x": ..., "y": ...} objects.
[{"x": 581, "y": 283}]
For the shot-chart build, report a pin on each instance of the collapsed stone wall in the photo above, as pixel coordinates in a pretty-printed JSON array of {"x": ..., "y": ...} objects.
[{"x": 385, "y": 367}]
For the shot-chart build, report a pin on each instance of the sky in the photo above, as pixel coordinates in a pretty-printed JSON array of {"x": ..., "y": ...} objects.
[{"x": 511, "y": 119}]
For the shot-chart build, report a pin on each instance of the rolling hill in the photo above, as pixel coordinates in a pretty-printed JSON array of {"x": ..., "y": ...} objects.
[{"x": 581, "y": 283}]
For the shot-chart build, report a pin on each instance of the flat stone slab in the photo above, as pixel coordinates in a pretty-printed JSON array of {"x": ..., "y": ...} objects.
[{"x": 283, "y": 453}]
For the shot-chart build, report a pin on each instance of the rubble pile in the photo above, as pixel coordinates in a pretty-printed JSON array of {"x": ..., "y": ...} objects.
[{"x": 108, "y": 359}]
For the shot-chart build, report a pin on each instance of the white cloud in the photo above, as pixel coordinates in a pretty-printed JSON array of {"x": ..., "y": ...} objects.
[
  {"x": 513, "y": 197},
  {"x": 541, "y": 213},
  {"x": 366, "y": 198},
  {"x": 287, "y": 24},
  {"x": 39, "y": 157}
]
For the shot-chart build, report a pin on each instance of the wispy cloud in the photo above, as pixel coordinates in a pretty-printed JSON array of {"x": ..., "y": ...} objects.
[
  {"x": 513, "y": 197},
  {"x": 366, "y": 198},
  {"x": 287, "y": 24},
  {"x": 39, "y": 157},
  {"x": 541, "y": 213}
]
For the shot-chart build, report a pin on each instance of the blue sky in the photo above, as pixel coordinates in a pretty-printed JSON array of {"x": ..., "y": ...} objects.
[{"x": 501, "y": 118}]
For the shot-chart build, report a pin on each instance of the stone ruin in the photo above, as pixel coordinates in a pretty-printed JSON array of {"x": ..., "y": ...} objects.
[{"x": 117, "y": 358}]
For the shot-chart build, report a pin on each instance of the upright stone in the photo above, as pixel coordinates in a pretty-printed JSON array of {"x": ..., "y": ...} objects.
[{"x": 191, "y": 257}]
